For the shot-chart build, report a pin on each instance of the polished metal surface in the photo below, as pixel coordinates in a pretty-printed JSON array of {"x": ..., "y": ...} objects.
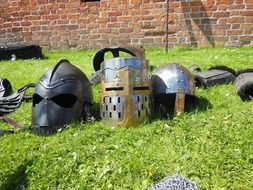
[
  {"x": 125, "y": 91},
  {"x": 172, "y": 79}
]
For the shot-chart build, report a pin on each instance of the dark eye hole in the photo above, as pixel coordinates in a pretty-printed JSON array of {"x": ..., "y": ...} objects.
[
  {"x": 65, "y": 100},
  {"x": 36, "y": 99}
]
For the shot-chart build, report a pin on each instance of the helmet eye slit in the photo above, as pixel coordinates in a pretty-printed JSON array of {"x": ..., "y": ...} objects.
[
  {"x": 114, "y": 89},
  {"x": 36, "y": 99},
  {"x": 65, "y": 100},
  {"x": 141, "y": 88}
]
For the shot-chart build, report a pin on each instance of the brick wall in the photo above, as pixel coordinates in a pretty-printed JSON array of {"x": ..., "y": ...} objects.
[{"x": 63, "y": 24}]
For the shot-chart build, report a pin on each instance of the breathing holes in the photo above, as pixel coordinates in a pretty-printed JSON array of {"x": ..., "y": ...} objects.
[
  {"x": 110, "y": 100},
  {"x": 142, "y": 107},
  {"x": 138, "y": 98},
  {"x": 139, "y": 114},
  {"x": 114, "y": 107},
  {"x": 106, "y": 107},
  {"x": 119, "y": 115},
  {"x": 110, "y": 114},
  {"x": 118, "y": 99}
]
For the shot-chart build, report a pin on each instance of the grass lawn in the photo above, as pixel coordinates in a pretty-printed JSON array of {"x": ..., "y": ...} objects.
[{"x": 212, "y": 145}]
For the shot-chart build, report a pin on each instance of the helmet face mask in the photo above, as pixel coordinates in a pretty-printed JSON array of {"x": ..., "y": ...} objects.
[
  {"x": 62, "y": 96},
  {"x": 173, "y": 90},
  {"x": 125, "y": 91}
]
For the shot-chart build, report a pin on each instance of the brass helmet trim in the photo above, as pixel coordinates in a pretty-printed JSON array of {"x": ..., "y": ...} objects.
[{"x": 125, "y": 91}]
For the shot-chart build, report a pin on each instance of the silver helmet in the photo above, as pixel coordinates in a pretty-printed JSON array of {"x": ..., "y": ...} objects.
[{"x": 173, "y": 89}]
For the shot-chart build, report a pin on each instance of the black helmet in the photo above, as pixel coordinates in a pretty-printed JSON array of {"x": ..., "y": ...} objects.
[
  {"x": 62, "y": 95},
  {"x": 173, "y": 89}
]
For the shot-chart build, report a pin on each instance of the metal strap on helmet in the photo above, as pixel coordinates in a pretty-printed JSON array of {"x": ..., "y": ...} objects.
[
  {"x": 131, "y": 50},
  {"x": 10, "y": 103},
  {"x": 99, "y": 58}
]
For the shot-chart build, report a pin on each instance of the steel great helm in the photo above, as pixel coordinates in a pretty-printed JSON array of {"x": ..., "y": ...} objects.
[
  {"x": 125, "y": 91},
  {"x": 173, "y": 89},
  {"x": 62, "y": 95}
]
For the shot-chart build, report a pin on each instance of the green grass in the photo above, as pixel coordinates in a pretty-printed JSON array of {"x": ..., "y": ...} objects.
[{"x": 212, "y": 146}]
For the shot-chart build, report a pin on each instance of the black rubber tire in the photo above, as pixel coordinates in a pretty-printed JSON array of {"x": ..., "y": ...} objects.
[
  {"x": 244, "y": 85},
  {"x": 248, "y": 70},
  {"x": 223, "y": 68},
  {"x": 195, "y": 68}
]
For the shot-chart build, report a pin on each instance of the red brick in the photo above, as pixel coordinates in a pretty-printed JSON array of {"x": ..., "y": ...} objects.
[
  {"x": 125, "y": 21},
  {"x": 221, "y": 14},
  {"x": 236, "y": 19},
  {"x": 246, "y": 13},
  {"x": 236, "y": 26},
  {"x": 249, "y": 6},
  {"x": 115, "y": 13},
  {"x": 237, "y": 7},
  {"x": 62, "y": 21},
  {"x": 239, "y": 1},
  {"x": 210, "y": 8},
  {"x": 234, "y": 32},
  {"x": 247, "y": 26},
  {"x": 222, "y": 2},
  {"x": 235, "y": 13},
  {"x": 249, "y": 20},
  {"x": 247, "y": 32},
  {"x": 246, "y": 38},
  {"x": 26, "y": 23}
]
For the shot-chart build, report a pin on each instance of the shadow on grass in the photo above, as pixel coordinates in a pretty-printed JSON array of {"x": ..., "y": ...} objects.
[
  {"x": 192, "y": 104},
  {"x": 96, "y": 111},
  {"x": 164, "y": 107},
  {"x": 18, "y": 179},
  {"x": 202, "y": 104}
]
